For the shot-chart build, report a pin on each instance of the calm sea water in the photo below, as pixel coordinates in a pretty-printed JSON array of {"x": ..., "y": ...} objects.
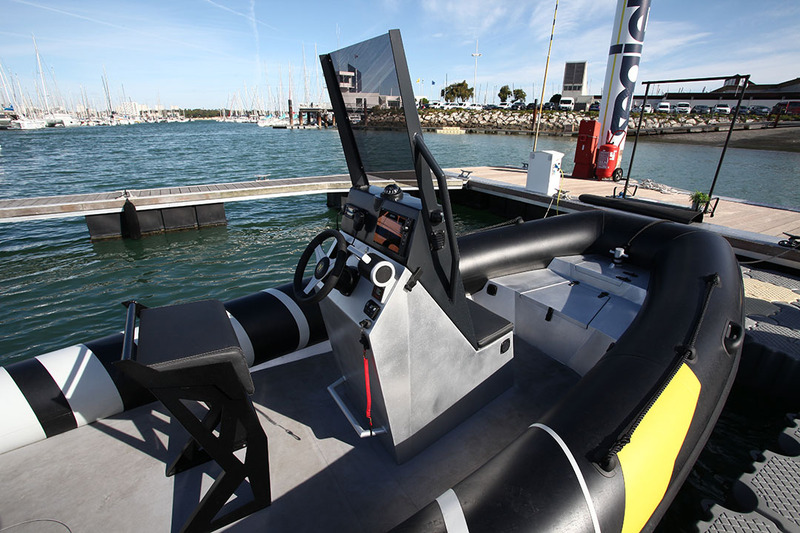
[{"x": 57, "y": 288}]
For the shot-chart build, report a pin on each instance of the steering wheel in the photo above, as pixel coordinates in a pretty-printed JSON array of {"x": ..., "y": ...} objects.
[{"x": 329, "y": 267}]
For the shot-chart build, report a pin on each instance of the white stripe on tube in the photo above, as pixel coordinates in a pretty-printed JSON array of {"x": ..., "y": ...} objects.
[
  {"x": 85, "y": 383},
  {"x": 454, "y": 519},
  {"x": 300, "y": 318},
  {"x": 578, "y": 474},
  {"x": 18, "y": 423},
  {"x": 244, "y": 341}
]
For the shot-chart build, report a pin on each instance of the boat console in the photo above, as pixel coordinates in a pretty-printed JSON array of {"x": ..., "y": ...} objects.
[{"x": 416, "y": 355}]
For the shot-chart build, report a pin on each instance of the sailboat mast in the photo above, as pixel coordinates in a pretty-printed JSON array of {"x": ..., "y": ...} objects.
[
  {"x": 108, "y": 94},
  {"x": 280, "y": 91},
  {"x": 41, "y": 76},
  {"x": 4, "y": 81},
  {"x": 306, "y": 89}
]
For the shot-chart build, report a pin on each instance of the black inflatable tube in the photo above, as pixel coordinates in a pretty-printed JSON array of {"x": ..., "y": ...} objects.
[
  {"x": 533, "y": 244},
  {"x": 270, "y": 326},
  {"x": 524, "y": 477}
]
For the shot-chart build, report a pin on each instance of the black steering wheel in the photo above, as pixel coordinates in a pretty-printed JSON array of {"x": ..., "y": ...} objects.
[{"x": 329, "y": 267}]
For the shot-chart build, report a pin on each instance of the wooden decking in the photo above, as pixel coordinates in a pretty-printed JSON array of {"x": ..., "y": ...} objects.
[
  {"x": 734, "y": 214},
  {"x": 44, "y": 207},
  {"x": 731, "y": 216}
]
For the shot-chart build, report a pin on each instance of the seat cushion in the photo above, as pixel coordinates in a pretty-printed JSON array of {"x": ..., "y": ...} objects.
[{"x": 188, "y": 336}]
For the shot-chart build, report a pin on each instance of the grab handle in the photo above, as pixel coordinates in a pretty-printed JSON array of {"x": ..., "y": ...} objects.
[
  {"x": 360, "y": 430},
  {"x": 734, "y": 337}
]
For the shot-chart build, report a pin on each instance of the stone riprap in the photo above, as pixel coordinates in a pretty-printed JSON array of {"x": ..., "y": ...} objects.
[{"x": 552, "y": 121}]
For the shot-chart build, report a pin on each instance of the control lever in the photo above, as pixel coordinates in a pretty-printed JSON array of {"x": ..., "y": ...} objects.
[
  {"x": 358, "y": 253},
  {"x": 412, "y": 281}
]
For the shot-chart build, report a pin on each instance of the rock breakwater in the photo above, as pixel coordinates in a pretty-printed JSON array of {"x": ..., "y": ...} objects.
[{"x": 553, "y": 122}]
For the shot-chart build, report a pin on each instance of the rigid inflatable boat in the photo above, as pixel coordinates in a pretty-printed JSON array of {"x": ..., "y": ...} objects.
[{"x": 553, "y": 375}]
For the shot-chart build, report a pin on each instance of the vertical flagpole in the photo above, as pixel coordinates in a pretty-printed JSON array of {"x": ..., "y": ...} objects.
[{"x": 544, "y": 83}]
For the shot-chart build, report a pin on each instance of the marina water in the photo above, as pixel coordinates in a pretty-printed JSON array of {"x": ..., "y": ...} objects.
[{"x": 57, "y": 288}]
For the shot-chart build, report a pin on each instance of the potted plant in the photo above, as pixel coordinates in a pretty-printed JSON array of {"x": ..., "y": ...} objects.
[{"x": 699, "y": 200}]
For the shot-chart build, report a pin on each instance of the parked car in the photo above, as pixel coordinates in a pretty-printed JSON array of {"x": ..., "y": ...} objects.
[
  {"x": 505, "y": 105},
  {"x": 761, "y": 110},
  {"x": 548, "y": 106},
  {"x": 787, "y": 108},
  {"x": 595, "y": 106},
  {"x": 566, "y": 104},
  {"x": 663, "y": 107},
  {"x": 701, "y": 109},
  {"x": 683, "y": 107},
  {"x": 436, "y": 104},
  {"x": 474, "y": 106},
  {"x": 491, "y": 106},
  {"x": 516, "y": 106},
  {"x": 532, "y": 105},
  {"x": 722, "y": 109}
]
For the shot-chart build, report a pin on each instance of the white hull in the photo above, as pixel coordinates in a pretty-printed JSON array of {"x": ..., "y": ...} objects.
[{"x": 28, "y": 124}]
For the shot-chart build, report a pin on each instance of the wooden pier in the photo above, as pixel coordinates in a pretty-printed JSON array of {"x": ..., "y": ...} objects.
[
  {"x": 755, "y": 229},
  {"x": 44, "y": 207},
  {"x": 730, "y": 213},
  {"x": 135, "y": 212}
]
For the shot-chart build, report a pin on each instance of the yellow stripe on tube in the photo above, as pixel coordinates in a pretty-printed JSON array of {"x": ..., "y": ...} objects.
[{"x": 649, "y": 458}]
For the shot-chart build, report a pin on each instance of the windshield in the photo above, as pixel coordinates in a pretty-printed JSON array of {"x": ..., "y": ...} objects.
[{"x": 371, "y": 94}]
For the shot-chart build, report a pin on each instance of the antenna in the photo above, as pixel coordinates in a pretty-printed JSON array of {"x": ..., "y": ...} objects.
[{"x": 476, "y": 55}]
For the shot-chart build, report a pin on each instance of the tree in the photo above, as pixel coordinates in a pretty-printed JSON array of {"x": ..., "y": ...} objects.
[
  {"x": 519, "y": 95},
  {"x": 504, "y": 93},
  {"x": 457, "y": 91},
  {"x": 556, "y": 98}
]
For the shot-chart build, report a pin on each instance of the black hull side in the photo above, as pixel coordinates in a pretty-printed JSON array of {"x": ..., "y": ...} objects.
[{"x": 530, "y": 486}]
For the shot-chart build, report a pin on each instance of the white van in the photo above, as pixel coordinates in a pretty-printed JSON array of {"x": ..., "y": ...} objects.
[
  {"x": 663, "y": 107},
  {"x": 683, "y": 107},
  {"x": 566, "y": 103}
]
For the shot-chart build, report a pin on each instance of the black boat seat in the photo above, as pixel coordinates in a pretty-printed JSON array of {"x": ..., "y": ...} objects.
[
  {"x": 190, "y": 336},
  {"x": 190, "y": 352},
  {"x": 488, "y": 325}
]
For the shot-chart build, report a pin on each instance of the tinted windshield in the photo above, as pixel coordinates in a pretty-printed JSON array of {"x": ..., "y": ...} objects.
[{"x": 371, "y": 93}]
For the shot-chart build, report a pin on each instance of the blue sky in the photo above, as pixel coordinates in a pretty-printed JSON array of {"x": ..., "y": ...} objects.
[{"x": 199, "y": 53}]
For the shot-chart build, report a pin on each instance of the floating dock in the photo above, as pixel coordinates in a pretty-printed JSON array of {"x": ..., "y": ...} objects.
[
  {"x": 752, "y": 229},
  {"x": 111, "y": 214}
]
